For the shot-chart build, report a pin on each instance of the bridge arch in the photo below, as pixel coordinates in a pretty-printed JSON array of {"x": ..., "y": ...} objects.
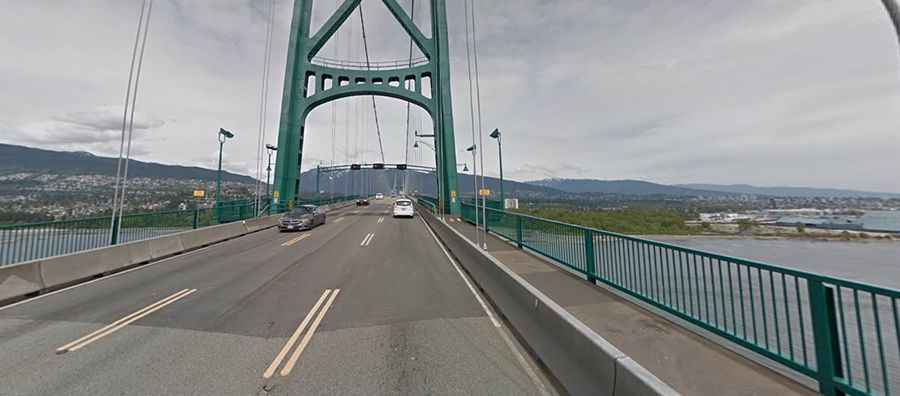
[{"x": 310, "y": 83}]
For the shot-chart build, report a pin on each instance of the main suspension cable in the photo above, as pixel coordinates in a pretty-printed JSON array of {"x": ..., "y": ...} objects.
[{"x": 362, "y": 24}]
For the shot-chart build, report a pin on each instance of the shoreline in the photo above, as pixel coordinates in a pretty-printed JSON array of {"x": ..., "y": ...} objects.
[{"x": 809, "y": 238}]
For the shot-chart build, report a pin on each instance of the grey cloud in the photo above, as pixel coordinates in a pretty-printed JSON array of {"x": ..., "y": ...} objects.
[{"x": 685, "y": 91}]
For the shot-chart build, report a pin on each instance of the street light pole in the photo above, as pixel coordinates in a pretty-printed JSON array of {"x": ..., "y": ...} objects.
[
  {"x": 222, "y": 137},
  {"x": 271, "y": 149},
  {"x": 496, "y": 135}
]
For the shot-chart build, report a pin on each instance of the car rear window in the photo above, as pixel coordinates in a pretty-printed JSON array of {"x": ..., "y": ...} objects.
[{"x": 404, "y": 203}]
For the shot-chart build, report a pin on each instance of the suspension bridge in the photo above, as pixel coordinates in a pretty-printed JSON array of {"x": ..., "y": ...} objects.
[{"x": 465, "y": 298}]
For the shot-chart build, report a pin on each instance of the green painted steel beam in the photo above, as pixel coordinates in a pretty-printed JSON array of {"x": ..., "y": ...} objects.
[
  {"x": 300, "y": 97},
  {"x": 425, "y": 44},
  {"x": 331, "y": 26}
]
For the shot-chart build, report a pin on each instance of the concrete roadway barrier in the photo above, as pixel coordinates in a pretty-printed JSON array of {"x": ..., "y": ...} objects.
[
  {"x": 19, "y": 280},
  {"x": 581, "y": 360}
]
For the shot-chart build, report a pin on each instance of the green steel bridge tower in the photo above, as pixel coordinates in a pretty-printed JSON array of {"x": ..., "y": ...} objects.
[{"x": 311, "y": 82}]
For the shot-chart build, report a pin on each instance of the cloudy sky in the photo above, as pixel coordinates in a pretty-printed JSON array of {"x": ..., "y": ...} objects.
[{"x": 766, "y": 92}]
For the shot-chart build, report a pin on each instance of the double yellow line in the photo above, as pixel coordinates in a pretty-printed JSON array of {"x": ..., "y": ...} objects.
[
  {"x": 295, "y": 240},
  {"x": 297, "y": 333},
  {"x": 115, "y": 326}
]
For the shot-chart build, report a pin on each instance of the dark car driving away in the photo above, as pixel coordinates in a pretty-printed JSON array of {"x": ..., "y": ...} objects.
[{"x": 302, "y": 218}]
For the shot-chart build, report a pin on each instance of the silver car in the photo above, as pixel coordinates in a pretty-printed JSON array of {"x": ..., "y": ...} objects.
[{"x": 302, "y": 218}]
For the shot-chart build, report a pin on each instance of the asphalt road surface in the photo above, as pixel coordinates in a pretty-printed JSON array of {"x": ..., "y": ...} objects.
[{"x": 366, "y": 304}]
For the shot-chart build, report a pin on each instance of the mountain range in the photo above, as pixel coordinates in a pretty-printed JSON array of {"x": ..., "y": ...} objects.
[{"x": 15, "y": 158}]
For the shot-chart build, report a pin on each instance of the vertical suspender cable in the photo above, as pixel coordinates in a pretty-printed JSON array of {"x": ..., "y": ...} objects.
[
  {"x": 263, "y": 106},
  {"x": 362, "y": 24},
  {"x": 412, "y": 17},
  {"x": 137, "y": 80},
  {"x": 472, "y": 119},
  {"x": 480, "y": 127},
  {"x": 115, "y": 203}
]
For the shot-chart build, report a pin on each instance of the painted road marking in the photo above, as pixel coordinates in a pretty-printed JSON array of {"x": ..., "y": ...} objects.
[
  {"x": 367, "y": 239},
  {"x": 290, "y": 343},
  {"x": 339, "y": 219},
  {"x": 506, "y": 338},
  {"x": 296, "y": 355},
  {"x": 295, "y": 240},
  {"x": 381, "y": 220},
  {"x": 115, "y": 326}
]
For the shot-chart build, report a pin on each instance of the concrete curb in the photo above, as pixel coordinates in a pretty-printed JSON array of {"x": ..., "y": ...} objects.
[{"x": 582, "y": 361}]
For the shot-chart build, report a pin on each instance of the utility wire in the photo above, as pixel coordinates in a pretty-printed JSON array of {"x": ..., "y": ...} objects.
[
  {"x": 137, "y": 36},
  {"x": 137, "y": 80},
  {"x": 362, "y": 23}
]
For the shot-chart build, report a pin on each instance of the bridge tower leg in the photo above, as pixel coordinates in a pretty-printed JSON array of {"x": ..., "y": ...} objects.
[{"x": 305, "y": 88}]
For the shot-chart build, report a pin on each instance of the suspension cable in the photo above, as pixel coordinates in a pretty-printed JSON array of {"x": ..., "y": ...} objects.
[
  {"x": 137, "y": 36},
  {"x": 480, "y": 125},
  {"x": 137, "y": 79},
  {"x": 412, "y": 17},
  {"x": 472, "y": 118},
  {"x": 263, "y": 107},
  {"x": 362, "y": 24}
]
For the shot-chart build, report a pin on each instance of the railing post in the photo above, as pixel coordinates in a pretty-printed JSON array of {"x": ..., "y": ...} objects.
[
  {"x": 590, "y": 259},
  {"x": 825, "y": 335},
  {"x": 196, "y": 221},
  {"x": 114, "y": 238},
  {"x": 519, "y": 231}
]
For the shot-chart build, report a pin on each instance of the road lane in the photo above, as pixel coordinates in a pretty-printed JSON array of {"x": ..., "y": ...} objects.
[{"x": 405, "y": 322}]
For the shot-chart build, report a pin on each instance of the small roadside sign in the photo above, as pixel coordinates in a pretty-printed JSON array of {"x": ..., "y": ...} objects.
[
  {"x": 199, "y": 193},
  {"x": 484, "y": 192}
]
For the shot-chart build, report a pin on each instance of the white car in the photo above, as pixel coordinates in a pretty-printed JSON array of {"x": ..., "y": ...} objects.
[
  {"x": 379, "y": 196},
  {"x": 404, "y": 208}
]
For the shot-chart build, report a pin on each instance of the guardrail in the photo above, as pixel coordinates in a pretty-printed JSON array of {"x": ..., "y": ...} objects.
[{"x": 843, "y": 334}]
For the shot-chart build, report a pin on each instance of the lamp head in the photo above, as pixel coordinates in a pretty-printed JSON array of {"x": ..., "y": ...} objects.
[
  {"x": 416, "y": 145},
  {"x": 271, "y": 147},
  {"x": 496, "y": 133},
  {"x": 471, "y": 148}
]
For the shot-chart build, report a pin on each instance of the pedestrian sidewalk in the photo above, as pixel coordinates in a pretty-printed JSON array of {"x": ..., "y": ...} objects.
[{"x": 686, "y": 361}]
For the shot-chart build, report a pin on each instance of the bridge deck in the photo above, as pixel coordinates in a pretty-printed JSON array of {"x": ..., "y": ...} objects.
[
  {"x": 404, "y": 322},
  {"x": 689, "y": 363}
]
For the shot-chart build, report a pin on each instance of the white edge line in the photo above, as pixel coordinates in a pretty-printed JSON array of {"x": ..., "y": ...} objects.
[
  {"x": 463, "y": 276},
  {"x": 509, "y": 343}
]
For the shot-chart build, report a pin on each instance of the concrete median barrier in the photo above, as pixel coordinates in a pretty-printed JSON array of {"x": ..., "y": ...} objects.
[
  {"x": 582, "y": 361},
  {"x": 65, "y": 269},
  {"x": 165, "y": 246},
  {"x": 20, "y": 279},
  {"x": 209, "y": 235},
  {"x": 261, "y": 223},
  {"x": 40, "y": 275}
]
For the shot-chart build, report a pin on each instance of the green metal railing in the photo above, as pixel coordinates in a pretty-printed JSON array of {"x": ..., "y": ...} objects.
[
  {"x": 23, "y": 242},
  {"x": 843, "y": 334}
]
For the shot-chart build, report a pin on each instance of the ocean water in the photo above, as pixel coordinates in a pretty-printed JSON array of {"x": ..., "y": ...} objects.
[{"x": 885, "y": 220}]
